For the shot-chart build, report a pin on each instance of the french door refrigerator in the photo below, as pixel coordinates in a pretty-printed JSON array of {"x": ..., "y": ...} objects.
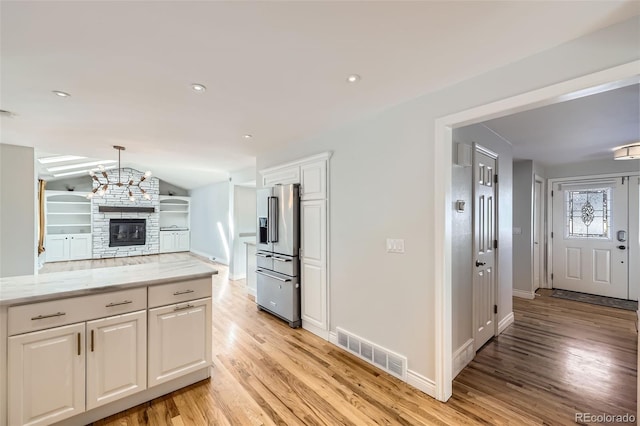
[{"x": 278, "y": 243}]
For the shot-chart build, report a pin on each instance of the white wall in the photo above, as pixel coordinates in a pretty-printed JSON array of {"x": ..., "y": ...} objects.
[
  {"x": 382, "y": 185},
  {"x": 462, "y": 232},
  {"x": 244, "y": 229},
  {"x": 18, "y": 207},
  {"x": 523, "y": 221},
  {"x": 593, "y": 168},
  {"x": 210, "y": 219}
]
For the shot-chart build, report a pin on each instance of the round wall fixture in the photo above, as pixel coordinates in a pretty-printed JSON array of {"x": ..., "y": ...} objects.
[{"x": 197, "y": 87}]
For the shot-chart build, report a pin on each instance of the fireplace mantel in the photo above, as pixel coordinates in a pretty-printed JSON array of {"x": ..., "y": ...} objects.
[{"x": 124, "y": 209}]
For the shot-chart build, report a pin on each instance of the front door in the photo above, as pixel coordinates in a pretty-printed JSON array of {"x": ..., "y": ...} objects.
[
  {"x": 590, "y": 236},
  {"x": 484, "y": 240}
]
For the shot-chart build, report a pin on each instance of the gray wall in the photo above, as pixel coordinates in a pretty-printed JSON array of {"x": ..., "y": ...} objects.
[
  {"x": 382, "y": 185},
  {"x": 81, "y": 183},
  {"x": 166, "y": 187},
  {"x": 210, "y": 221},
  {"x": 18, "y": 207},
  {"x": 523, "y": 220},
  {"x": 462, "y": 231}
]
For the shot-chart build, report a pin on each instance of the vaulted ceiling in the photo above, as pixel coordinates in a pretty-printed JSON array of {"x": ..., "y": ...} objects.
[{"x": 273, "y": 70}]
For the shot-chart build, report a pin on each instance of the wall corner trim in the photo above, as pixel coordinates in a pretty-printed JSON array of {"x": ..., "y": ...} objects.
[
  {"x": 523, "y": 294},
  {"x": 462, "y": 357},
  {"x": 421, "y": 383},
  {"x": 505, "y": 322},
  {"x": 323, "y": 156}
]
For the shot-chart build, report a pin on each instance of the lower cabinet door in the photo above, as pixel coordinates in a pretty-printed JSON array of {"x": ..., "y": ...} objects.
[
  {"x": 57, "y": 248},
  {"x": 167, "y": 242},
  {"x": 80, "y": 246},
  {"x": 182, "y": 241},
  {"x": 46, "y": 377},
  {"x": 179, "y": 340},
  {"x": 116, "y": 357}
]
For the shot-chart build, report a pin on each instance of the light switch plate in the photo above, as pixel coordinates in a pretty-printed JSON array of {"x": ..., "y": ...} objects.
[{"x": 395, "y": 245}]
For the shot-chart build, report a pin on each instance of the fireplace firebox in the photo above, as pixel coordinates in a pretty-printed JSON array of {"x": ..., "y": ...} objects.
[{"x": 127, "y": 232}]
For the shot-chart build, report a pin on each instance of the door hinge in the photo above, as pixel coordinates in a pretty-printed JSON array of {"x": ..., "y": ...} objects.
[
  {"x": 552, "y": 192},
  {"x": 552, "y": 276},
  {"x": 552, "y": 235},
  {"x": 495, "y": 309},
  {"x": 495, "y": 178},
  {"x": 495, "y": 244}
]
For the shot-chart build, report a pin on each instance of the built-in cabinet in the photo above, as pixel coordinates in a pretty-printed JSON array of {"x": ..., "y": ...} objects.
[
  {"x": 312, "y": 175},
  {"x": 172, "y": 241},
  {"x": 73, "y": 355},
  {"x": 68, "y": 226},
  {"x": 174, "y": 224}
]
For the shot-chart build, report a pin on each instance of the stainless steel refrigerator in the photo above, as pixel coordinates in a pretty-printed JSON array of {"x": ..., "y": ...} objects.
[{"x": 278, "y": 243}]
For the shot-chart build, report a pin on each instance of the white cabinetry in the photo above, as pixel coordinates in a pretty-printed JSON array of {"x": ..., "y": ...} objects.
[
  {"x": 68, "y": 247},
  {"x": 172, "y": 241},
  {"x": 46, "y": 375},
  {"x": 179, "y": 339},
  {"x": 179, "y": 329},
  {"x": 312, "y": 174},
  {"x": 313, "y": 262},
  {"x": 116, "y": 357},
  {"x": 68, "y": 226}
]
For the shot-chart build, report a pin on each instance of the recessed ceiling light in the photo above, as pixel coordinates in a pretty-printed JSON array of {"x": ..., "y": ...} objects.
[
  {"x": 79, "y": 172},
  {"x": 247, "y": 136},
  {"x": 5, "y": 113},
  {"x": 353, "y": 78},
  {"x": 79, "y": 165},
  {"x": 61, "y": 94},
  {"x": 59, "y": 159},
  {"x": 198, "y": 87}
]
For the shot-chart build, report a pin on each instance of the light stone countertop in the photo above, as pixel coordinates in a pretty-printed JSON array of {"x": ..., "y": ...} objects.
[{"x": 58, "y": 285}]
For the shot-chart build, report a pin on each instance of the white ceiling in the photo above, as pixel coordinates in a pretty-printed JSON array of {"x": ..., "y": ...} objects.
[
  {"x": 579, "y": 130},
  {"x": 275, "y": 70}
]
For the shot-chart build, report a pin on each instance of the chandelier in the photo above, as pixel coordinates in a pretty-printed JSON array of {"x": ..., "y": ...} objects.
[{"x": 103, "y": 187}]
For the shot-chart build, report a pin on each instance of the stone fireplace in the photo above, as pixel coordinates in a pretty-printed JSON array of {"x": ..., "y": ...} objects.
[{"x": 115, "y": 205}]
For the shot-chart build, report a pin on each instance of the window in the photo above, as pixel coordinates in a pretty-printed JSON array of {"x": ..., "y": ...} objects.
[{"x": 588, "y": 213}]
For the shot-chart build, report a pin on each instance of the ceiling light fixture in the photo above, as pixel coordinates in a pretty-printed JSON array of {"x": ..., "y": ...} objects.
[
  {"x": 627, "y": 152},
  {"x": 100, "y": 187},
  {"x": 198, "y": 87},
  {"x": 59, "y": 159},
  {"x": 79, "y": 172},
  {"x": 61, "y": 94},
  {"x": 353, "y": 78},
  {"x": 247, "y": 136},
  {"x": 79, "y": 165}
]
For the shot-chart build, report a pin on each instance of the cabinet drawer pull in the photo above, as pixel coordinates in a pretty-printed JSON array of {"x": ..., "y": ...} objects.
[
  {"x": 178, "y": 293},
  {"x": 126, "y": 302},
  {"x": 79, "y": 352},
  {"x": 91, "y": 340},
  {"x": 181, "y": 308},
  {"x": 281, "y": 259},
  {"x": 57, "y": 314}
]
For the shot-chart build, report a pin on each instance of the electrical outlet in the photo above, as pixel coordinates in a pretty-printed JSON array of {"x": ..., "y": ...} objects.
[{"x": 395, "y": 245}]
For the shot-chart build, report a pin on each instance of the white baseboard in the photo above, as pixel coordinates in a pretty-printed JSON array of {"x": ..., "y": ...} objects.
[
  {"x": 414, "y": 379},
  {"x": 209, "y": 256},
  {"x": 237, "y": 277},
  {"x": 252, "y": 292},
  {"x": 505, "y": 322},
  {"x": 463, "y": 356},
  {"x": 322, "y": 333},
  {"x": 422, "y": 383},
  {"x": 524, "y": 294}
]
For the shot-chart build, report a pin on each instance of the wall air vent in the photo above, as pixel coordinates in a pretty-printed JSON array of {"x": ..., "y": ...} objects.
[{"x": 385, "y": 359}]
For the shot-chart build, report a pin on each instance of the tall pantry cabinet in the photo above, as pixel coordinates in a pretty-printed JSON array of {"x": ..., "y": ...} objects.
[{"x": 312, "y": 175}]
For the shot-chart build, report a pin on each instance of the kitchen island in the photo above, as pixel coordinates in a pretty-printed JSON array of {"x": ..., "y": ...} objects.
[{"x": 81, "y": 345}]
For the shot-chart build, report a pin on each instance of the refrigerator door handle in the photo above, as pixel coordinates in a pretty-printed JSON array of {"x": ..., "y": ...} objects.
[
  {"x": 273, "y": 219},
  {"x": 284, "y": 280},
  {"x": 281, "y": 259}
]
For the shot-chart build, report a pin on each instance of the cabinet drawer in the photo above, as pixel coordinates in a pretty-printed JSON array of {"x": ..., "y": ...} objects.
[
  {"x": 39, "y": 316},
  {"x": 167, "y": 294}
]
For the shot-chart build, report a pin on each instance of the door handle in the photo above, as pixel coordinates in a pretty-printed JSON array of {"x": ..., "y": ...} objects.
[
  {"x": 622, "y": 247},
  {"x": 478, "y": 263},
  {"x": 284, "y": 280},
  {"x": 280, "y": 259}
]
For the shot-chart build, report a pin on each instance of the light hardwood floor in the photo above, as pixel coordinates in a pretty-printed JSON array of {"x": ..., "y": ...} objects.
[{"x": 560, "y": 357}]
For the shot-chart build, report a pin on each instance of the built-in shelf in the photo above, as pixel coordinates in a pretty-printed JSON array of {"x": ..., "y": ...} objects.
[
  {"x": 174, "y": 212},
  {"x": 67, "y": 212}
]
